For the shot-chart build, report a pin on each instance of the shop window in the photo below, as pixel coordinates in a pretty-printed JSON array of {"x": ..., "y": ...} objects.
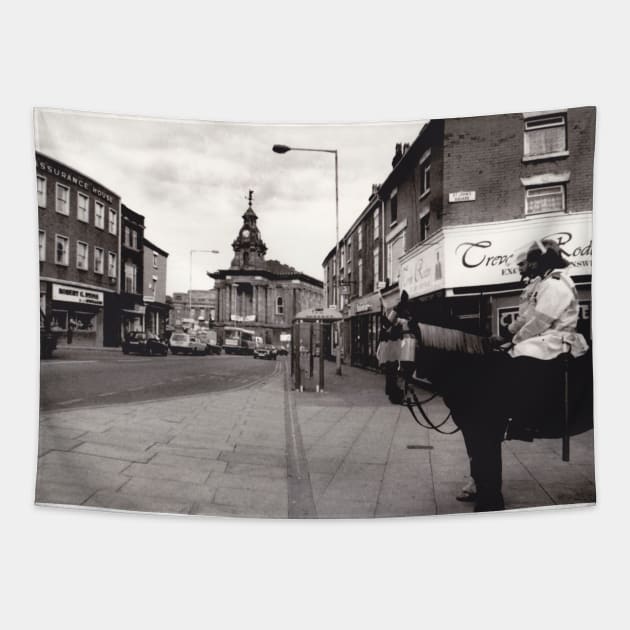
[
  {"x": 542, "y": 199},
  {"x": 111, "y": 265},
  {"x": 545, "y": 136},
  {"x": 41, "y": 191},
  {"x": 99, "y": 260},
  {"x": 99, "y": 215},
  {"x": 377, "y": 222},
  {"x": 62, "y": 199},
  {"x": 113, "y": 221},
  {"x": 279, "y": 306},
  {"x": 83, "y": 322},
  {"x": 42, "y": 245},
  {"x": 83, "y": 208},
  {"x": 59, "y": 320},
  {"x": 61, "y": 250},
  {"x": 82, "y": 255}
]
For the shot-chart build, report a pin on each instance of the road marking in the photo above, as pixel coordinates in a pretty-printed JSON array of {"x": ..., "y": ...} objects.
[
  {"x": 108, "y": 394},
  {"x": 300, "y": 500}
]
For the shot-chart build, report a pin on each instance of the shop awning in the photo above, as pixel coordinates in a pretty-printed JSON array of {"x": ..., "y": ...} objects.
[{"x": 318, "y": 315}]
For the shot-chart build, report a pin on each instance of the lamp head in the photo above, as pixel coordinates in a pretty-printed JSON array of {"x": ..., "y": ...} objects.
[{"x": 280, "y": 148}]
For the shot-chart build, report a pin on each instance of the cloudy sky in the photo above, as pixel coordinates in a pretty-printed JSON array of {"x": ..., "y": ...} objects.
[{"x": 190, "y": 180}]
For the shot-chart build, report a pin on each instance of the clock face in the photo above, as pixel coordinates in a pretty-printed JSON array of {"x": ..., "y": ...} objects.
[{"x": 246, "y": 233}]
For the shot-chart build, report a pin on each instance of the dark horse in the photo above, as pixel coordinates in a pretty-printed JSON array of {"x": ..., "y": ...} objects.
[{"x": 493, "y": 396}]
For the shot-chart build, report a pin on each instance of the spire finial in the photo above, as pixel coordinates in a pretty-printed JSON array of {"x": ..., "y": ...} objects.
[{"x": 251, "y": 197}]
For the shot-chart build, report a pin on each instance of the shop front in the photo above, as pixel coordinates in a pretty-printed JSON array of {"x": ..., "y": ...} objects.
[
  {"x": 77, "y": 313},
  {"x": 365, "y": 325},
  {"x": 468, "y": 274},
  {"x": 132, "y": 319}
]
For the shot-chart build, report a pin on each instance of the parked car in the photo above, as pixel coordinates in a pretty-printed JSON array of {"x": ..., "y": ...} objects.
[
  {"x": 209, "y": 337},
  {"x": 282, "y": 351},
  {"x": 265, "y": 352},
  {"x": 183, "y": 343},
  {"x": 144, "y": 343}
]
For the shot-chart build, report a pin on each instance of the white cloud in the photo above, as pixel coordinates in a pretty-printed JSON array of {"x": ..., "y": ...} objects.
[{"x": 190, "y": 180}]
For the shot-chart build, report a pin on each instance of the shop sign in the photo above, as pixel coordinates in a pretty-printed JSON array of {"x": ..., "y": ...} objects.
[
  {"x": 463, "y": 195},
  {"x": 485, "y": 254},
  {"x": 285, "y": 337},
  {"x": 148, "y": 298},
  {"x": 363, "y": 308},
  {"x": 250, "y": 318},
  {"x": 507, "y": 314},
  {"x": 236, "y": 318},
  {"x": 73, "y": 294},
  {"x": 423, "y": 271}
]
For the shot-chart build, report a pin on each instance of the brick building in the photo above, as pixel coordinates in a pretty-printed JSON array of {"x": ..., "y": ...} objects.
[
  {"x": 79, "y": 254},
  {"x": 193, "y": 308},
  {"x": 132, "y": 308},
  {"x": 460, "y": 201},
  {"x": 261, "y": 295},
  {"x": 154, "y": 288}
]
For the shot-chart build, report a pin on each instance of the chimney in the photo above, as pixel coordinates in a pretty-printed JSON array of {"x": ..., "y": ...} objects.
[
  {"x": 397, "y": 154},
  {"x": 405, "y": 147}
]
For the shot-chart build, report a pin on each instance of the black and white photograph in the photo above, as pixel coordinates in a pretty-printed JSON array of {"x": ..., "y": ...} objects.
[{"x": 316, "y": 321}]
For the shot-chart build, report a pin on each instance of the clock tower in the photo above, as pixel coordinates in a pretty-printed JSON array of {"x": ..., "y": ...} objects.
[{"x": 249, "y": 248}]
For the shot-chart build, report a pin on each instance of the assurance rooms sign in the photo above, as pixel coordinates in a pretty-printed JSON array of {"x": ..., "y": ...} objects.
[{"x": 73, "y": 294}]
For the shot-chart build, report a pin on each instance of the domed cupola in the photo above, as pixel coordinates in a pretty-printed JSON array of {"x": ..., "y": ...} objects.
[{"x": 249, "y": 248}]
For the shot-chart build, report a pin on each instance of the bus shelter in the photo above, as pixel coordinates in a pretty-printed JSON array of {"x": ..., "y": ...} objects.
[{"x": 307, "y": 341}]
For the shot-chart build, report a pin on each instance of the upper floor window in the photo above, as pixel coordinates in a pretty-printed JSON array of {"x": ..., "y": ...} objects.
[
  {"x": 111, "y": 265},
  {"x": 155, "y": 260},
  {"x": 41, "y": 191},
  {"x": 395, "y": 249},
  {"x": 360, "y": 276},
  {"x": 113, "y": 224},
  {"x": 99, "y": 215},
  {"x": 83, "y": 207},
  {"x": 541, "y": 199},
  {"x": 131, "y": 277},
  {"x": 99, "y": 260},
  {"x": 545, "y": 136},
  {"x": 377, "y": 222},
  {"x": 82, "y": 255},
  {"x": 393, "y": 208},
  {"x": 424, "y": 225},
  {"x": 377, "y": 267},
  {"x": 42, "y": 245},
  {"x": 349, "y": 253},
  {"x": 62, "y": 199},
  {"x": 360, "y": 238},
  {"x": 61, "y": 250},
  {"x": 279, "y": 306},
  {"x": 127, "y": 237},
  {"x": 425, "y": 173},
  {"x": 134, "y": 239}
]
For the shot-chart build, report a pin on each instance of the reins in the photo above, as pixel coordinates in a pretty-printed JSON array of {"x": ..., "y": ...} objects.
[{"x": 430, "y": 424}]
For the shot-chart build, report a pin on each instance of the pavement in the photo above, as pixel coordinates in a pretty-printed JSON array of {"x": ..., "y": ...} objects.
[{"x": 267, "y": 451}]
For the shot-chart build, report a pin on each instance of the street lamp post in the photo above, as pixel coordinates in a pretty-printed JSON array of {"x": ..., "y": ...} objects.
[
  {"x": 196, "y": 251},
  {"x": 283, "y": 148}
]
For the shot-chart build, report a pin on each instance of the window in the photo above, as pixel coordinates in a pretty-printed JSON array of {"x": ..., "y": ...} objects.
[
  {"x": 349, "y": 253},
  {"x": 83, "y": 207},
  {"x": 393, "y": 208},
  {"x": 41, "y": 191},
  {"x": 82, "y": 255},
  {"x": 62, "y": 199},
  {"x": 395, "y": 249},
  {"x": 131, "y": 277},
  {"x": 545, "y": 199},
  {"x": 127, "y": 238},
  {"x": 61, "y": 250},
  {"x": 134, "y": 239},
  {"x": 42, "y": 245},
  {"x": 424, "y": 225},
  {"x": 377, "y": 222},
  {"x": 343, "y": 259},
  {"x": 360, "y": 276},
  {"x": 360, "y": 238},
  {"x": 279, "y": 306},
  {"x": 377, "y": 268},
  {"x": 155, "y": 260},
  {"x": 99, "y": 260},
  {"x": 425, "y": 179},
  {"x": 545, "y": 136},
  {"x": 99, "y": 215},
  {"x": 113, "y": 225},
  {"x": 111, "y": 265}
]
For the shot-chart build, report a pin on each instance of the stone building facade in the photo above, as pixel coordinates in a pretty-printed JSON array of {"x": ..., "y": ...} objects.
[{"x": 261, "y": 295}]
